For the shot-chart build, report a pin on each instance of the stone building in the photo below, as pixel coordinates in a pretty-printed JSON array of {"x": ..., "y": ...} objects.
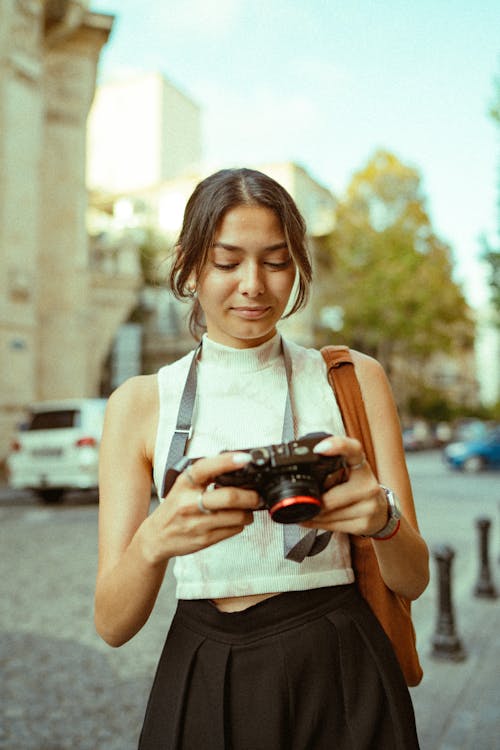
[
  {"x": 142, "y": 131},
  {"x": 54, "y": 310}
]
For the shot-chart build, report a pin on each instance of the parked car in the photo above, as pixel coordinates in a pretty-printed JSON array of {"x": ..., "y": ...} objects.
[
  {"x": 57, "y": 449},
  {"x": 418, "y": 437},
  {"x": 481, "y": 451}
]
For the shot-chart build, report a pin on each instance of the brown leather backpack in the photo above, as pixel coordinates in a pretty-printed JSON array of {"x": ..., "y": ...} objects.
[{"x": 392, "y": 611}]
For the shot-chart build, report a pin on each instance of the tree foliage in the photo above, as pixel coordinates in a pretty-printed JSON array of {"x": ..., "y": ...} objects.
[
  {"x": 491, "y": 255},
  {"x": 154, "y": 253},
  {"x": 391, "y": 274},
  {"x": 495, "y": 105}
]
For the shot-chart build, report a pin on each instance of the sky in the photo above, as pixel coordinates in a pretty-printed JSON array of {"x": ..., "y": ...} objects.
[{"x": 325, "y": 83}]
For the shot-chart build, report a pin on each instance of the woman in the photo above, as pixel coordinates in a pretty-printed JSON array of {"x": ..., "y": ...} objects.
[{"x": 268, "y": 649}]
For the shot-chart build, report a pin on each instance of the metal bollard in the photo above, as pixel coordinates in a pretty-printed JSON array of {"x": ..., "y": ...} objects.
[
  {"x": 499, "y": 527},
  {"x": 445, "y": 642},
  {"x": 484, "y": 587}
]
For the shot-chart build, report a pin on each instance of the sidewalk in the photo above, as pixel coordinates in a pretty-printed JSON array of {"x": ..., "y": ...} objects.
[
  {"x": 48, "y": 635},
  {"x": 457, "y": 705}
]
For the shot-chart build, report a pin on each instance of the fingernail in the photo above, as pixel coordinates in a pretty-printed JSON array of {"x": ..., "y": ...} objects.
[
  {"x": 241, "y": 458},
  {"x": 323, "y": 446}
]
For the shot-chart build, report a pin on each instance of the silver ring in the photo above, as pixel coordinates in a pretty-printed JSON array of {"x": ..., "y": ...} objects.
[
  {"x": 353, "y": 467},
  {"x": 199, "y": 501},
  {"x": 187, "y": 472}
]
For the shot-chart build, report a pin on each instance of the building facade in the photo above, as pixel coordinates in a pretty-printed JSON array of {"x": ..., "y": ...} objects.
[
  {"x": 142, "y": 131},
  {"x": 49, "y": 53}
]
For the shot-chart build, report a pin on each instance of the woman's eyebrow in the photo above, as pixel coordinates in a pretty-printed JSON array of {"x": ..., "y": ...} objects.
[{"x": 270, "y": 248}]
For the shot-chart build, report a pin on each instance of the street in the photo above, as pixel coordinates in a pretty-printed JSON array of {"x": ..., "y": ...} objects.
[{"x": 63, "y": 688}]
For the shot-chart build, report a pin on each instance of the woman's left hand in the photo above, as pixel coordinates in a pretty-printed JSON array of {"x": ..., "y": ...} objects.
[{"x": 358, "y": 506}]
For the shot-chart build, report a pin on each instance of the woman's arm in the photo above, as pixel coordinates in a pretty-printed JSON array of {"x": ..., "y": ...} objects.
[
  {"x": 404, "y": 559},
  {"x": 127, "y": 583},
  {"x": 360, "y": 506},
  {"x": 135, "y": 546}
]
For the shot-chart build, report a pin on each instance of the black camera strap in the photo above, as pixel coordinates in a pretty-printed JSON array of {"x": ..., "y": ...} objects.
[{"x": 295, "y": 547}]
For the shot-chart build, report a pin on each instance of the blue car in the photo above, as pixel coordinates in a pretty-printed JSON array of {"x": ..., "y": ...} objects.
[{"x": 475, "y": 454}]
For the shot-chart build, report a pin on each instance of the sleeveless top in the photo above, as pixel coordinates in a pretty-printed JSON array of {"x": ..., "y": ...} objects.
[{"x": 240, "y": 403}]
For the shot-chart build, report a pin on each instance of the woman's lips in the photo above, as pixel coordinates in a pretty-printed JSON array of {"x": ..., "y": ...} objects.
[{"x": 251, "y": 313}]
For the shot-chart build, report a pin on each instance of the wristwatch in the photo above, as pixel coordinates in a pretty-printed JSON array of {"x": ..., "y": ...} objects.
[{"x": 394, "y": 516}]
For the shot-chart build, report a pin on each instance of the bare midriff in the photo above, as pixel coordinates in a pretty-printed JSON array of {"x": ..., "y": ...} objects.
[{"x": 239, "y": 603}]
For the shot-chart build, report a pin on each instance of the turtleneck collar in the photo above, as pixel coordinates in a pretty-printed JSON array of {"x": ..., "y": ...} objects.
[{"x": 243, "y": 360}]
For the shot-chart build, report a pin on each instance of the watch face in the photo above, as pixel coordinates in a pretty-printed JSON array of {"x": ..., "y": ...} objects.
[
  {"x": 394, "y": 506},
  {"x": 393, "y": 513}
]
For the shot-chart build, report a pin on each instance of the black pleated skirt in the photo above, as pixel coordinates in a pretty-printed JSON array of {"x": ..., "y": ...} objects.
[{"x": 306, "y": 670}]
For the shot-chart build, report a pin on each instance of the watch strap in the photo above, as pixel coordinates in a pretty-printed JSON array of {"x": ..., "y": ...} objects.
[{"x": 394, "y": 517}]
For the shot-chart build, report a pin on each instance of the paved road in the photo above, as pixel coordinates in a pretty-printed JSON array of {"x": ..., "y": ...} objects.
[
  {"x": 62, "y": 688},
  {"x": 457, "y": 703}
]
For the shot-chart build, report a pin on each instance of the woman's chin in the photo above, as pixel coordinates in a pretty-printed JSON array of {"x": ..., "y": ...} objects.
[{"x": 244, "y": 336}]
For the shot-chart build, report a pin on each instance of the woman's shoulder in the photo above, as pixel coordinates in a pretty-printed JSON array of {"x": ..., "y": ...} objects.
[
  {"x": 376, "y": 390},
  {"x": 132, "y": 414},
  {"x": 136, "y": 396},
  {"x": 371, "y": 375},
  {"x": 368, "y": 369}
]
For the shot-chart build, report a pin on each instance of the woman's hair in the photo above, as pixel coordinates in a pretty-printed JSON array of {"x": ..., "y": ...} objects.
[{"x": 204, "y": 212}]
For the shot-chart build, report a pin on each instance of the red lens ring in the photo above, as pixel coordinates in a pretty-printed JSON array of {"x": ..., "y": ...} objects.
[{"x": 295, "y": 500}]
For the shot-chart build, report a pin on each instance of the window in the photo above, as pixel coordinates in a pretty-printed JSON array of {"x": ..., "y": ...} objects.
[{"x": 54, "y": 420}]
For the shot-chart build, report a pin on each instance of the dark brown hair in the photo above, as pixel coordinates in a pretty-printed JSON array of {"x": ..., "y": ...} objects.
[{"x": 205, "y": 210}]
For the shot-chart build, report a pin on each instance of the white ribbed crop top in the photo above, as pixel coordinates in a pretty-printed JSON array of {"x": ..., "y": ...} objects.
[{"x": 240, "y": 403}]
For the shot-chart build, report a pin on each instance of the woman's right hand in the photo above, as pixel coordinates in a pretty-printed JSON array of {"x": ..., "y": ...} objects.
[
  {"x": 194, "y": 515},
  {"x": 134, "y": 544}
]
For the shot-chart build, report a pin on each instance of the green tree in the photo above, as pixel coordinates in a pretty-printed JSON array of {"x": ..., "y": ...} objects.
[
  {"x": 390, "y": 272},
  {"x": 495, "y": 106},
  {"x": 489, "y": 254},
  {"x": 154, "y": 253}
]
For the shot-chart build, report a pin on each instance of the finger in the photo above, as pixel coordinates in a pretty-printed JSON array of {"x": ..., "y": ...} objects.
[
  {"x": 335, "y": 445},
  {"x": 358, "y": 514},
  {"x": 197, "y": 526},
  {"x": 351, "y": 512},
  {"x": 204, "y": 470},
  {"x": 230, "y": 497},
  {"x": 226, "y": 519},
  {"x": 350, "y": 448},
  {"x": 363, "y": 488}
]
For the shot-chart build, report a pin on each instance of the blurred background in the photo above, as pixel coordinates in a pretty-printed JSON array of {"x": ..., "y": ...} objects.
[{"x": 382, "y": 121}]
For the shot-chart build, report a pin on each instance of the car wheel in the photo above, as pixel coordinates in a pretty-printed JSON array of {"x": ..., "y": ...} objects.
[
  {"x": 50, "y": 496},
  {"x": 473, "y": 464}
]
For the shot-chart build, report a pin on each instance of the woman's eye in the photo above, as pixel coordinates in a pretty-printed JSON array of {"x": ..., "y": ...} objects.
[
  {"x": 225, "y": 266},
  {"x": 280, "y": 265},
  {"x": 274, "y": 266}
]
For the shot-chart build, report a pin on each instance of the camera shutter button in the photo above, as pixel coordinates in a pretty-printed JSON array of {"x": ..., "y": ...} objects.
[
  {"x": 301, "y": 450},
  {"x": 260, "y": 456}
]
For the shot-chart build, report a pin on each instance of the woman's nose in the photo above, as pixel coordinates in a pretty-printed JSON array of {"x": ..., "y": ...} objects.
[{"x": 251, "y": 281}]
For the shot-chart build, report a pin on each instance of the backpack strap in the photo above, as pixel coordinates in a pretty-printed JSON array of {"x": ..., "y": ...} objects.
[
  {"x": 392, "y": 611},
  {"x": 342, "y": 378}
]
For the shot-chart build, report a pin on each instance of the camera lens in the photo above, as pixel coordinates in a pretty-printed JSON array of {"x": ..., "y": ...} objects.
[{"x": 292, "y": 499}]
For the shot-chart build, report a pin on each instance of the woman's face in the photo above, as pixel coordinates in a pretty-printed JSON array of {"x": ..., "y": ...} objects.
[{"x": 247, "y": 279}]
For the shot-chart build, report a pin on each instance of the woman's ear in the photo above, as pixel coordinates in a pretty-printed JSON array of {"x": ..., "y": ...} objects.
[{"x": 191, "y": 284}]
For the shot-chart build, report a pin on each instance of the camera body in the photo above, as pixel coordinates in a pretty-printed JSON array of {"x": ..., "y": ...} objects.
[{"x": 289, "y": 477}]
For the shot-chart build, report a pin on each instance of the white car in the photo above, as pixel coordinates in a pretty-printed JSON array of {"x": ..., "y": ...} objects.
[{"x": 57, "y": 450}]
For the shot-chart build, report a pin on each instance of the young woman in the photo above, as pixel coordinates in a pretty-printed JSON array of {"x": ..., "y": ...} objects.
[{"x": 268, "y": 650}]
